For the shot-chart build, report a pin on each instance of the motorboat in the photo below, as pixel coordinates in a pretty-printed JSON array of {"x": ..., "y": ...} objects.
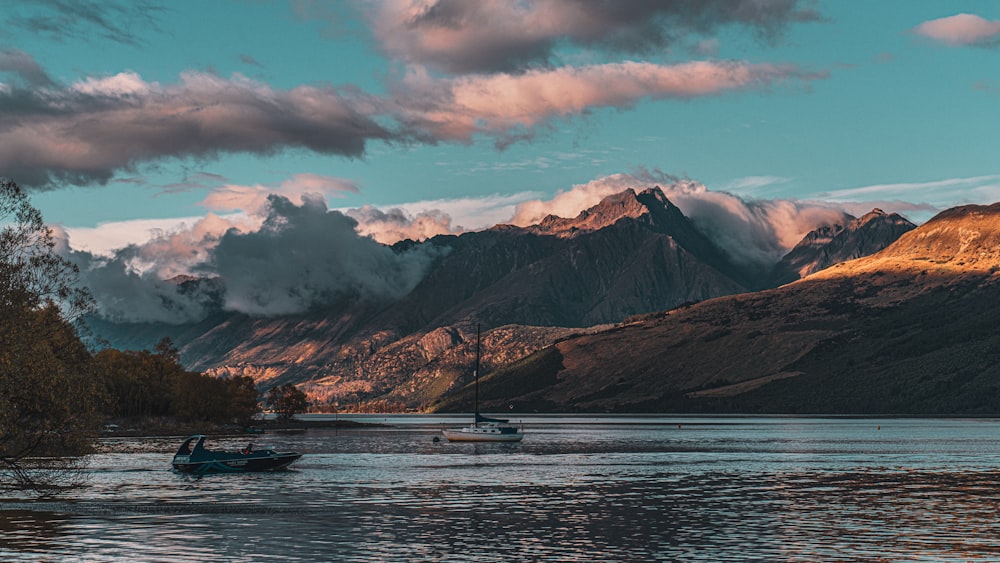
[
  {"x": 484, "y": 429},
  {"x": 192, "y": 457}
]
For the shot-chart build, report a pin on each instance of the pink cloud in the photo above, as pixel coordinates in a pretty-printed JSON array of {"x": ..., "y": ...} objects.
[
  {"x": 98, "y": 127},
  {"x": 961, "y": 29},
  {"x": 391, "y": 226},
  {"x": 507, "y": 103},
  {"x": 254, "y": 199}
]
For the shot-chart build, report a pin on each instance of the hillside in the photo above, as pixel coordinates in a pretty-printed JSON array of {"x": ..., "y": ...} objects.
[
  {"x": 631, "y": 254},
  {"x": 907, "y": 330}
]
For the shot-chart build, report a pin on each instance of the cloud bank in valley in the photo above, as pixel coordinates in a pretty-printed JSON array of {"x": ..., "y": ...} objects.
[
  {"x": 288, "y": 257},
  {"x": 296, "y": 258},
  {"x": 306, "y": 256}
]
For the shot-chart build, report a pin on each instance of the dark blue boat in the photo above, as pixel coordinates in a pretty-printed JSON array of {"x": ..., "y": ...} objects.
[{"x": 192, "y": 457}]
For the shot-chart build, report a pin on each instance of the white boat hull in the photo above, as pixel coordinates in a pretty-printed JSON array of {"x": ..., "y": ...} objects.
[{"x": 481, "y": 434}]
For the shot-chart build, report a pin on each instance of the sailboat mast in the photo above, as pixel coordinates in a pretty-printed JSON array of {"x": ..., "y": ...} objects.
[{"x": 475, "y": 375}]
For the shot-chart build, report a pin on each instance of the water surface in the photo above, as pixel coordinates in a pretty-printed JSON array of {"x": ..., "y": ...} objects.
[{"x": 577, "y": 488}]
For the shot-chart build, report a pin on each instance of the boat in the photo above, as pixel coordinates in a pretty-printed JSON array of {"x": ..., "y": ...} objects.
[
  {"x": 484, "y": 429},
  {"x": 192, "y": 457}
]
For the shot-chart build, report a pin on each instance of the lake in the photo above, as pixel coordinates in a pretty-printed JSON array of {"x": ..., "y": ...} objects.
[{"x": 578, "y": 488}]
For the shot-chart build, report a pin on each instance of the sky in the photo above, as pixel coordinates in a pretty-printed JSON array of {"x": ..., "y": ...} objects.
[{"x": 146, "y": 132}]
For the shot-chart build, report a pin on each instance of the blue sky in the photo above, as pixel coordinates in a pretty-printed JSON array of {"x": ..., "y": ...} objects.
[{"x": 116, "y": 112}]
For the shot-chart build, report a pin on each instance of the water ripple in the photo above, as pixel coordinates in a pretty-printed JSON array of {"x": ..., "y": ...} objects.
[{"x": 784, "y": 490}]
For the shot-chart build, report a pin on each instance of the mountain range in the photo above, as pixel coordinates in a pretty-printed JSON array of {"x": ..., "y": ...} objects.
[
  {"x": 596, "y": 301},
  {"x": 907, "y": 330}
]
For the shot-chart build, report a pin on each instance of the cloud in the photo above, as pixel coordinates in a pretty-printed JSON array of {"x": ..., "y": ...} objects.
[
  {"x": 296, "y": 258},
  {"x": 255, "y": 199},
  {"x": 471, "y": 213},
  {"x": 941, "y": 193},
  {"x": 305, "y": 256},
  {"x": 394, "y": 225},
  {"x": 753, "y": 183},
  {"x": 247, "y": 59},
  {"x": 23, "y": 65},
  {"x": 106, "y": 238},
  {"x": 421, "y": 220},
  {"x": 87, "y": 132},
  {"x": 86, "y": 20},
  {"x": 461, "y": 37},
  {"x": 126, "y": 294},
  {"x": 962, "y": 30},
  {"x": 511, "y": 106},
  {"x": 91, "y": 130},
  {"x": 755, "y": 232}
]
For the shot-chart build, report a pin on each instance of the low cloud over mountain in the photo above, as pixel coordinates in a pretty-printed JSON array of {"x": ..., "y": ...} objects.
[
  {"x": 301, "y": 256},
  {"x": 285, "y": 256}
]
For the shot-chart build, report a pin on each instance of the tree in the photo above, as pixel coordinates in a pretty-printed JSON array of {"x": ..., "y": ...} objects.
[
  {"x": 244, "y": 400},
  {"x": 48, "y": 403},
  {"x": 287, "y": 401},
  {"x": 140, "y": 384}
]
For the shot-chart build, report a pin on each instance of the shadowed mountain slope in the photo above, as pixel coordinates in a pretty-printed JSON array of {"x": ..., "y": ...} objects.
[
  {"x": 632, "y": 254},
  {"x": 909, "y": 330}
]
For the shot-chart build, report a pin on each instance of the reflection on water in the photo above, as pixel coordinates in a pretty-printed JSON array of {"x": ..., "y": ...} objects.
[{"x": 610, "y": 489}]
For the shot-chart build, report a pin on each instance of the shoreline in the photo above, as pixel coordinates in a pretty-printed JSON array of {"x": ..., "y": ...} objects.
[{"x": 164, "y": 427}]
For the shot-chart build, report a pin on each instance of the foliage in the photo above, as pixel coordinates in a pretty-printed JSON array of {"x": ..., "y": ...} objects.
[
  {"x": 287, "y": 400},
  {"x": 155, "y": 384},
  {"x": 53, "y": 392},
  {"x": 47, "y": 397}
]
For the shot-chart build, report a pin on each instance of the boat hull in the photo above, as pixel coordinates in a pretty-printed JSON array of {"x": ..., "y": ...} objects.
[
  {"x": 274, "y": 462},
  {"x": 466, "y": 435},
  {"x": 193, "y": 457}
]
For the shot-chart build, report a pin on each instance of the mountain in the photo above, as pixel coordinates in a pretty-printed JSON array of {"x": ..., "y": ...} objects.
[
  {"x": 836, "y": 243},
  {"x": 631, "y": 254},
  {"x": 908, "y": 330}
]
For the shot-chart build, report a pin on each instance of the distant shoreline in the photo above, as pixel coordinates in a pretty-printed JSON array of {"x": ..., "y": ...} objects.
[{"x": 166, "y": 427}]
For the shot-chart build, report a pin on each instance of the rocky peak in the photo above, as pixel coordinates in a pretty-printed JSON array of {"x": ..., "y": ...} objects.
[
  {"x": 873, "y": 215},
  {"x": 833, "y": 244},
  {"x": 606, "y": 213}
]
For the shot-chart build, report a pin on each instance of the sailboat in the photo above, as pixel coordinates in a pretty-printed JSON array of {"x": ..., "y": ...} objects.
[{"x": 484, "y": 429}]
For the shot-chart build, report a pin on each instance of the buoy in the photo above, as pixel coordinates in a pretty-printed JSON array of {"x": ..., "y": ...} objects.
[
  {"x": 678, "y": 426},
  {"x": 436, "y": 439}
]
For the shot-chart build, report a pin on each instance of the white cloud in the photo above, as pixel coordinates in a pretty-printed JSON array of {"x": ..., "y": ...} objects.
[
  {"x": 753, "y": 183},
  {"x": 961, "y": 29},
  {"x": 942, "y": 193},
  {"x": 107, "y": 237},
  {"x": 754, "y": 231}
]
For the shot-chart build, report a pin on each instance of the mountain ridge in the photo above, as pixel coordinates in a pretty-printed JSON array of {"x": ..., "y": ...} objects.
[
  {"x": 871, "y": 336},
  {"x": 634, "y": 253}
]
